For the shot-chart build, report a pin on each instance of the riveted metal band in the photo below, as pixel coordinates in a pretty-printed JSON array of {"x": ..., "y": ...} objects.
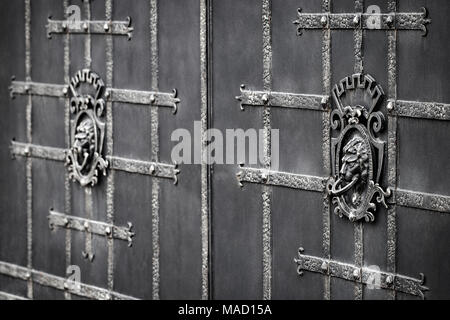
[
  {"x": 421, "y": 200},
  {"x": 59, "y": 283},
  {"x": 150, "y": 98},
  {"x": 422, "y": 110},
  {"x": 9, "y": 296},
  {"x": 281, "y": 99},
  {"x": 37, "y": 88},
  {"x": 106, "y": 27},
  {"x": 37, "y": 151},
  {"x": 62, "y": 220},
  {"x": 360, "y": 275},
  {"x": 281, "y": 179},
  {"x": 359, "y": 20}
]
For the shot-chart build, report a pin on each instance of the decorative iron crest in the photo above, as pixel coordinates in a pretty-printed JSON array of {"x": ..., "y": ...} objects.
[
  {"x": 84, "y": 158},
  {"x": 357, "y": 152}
]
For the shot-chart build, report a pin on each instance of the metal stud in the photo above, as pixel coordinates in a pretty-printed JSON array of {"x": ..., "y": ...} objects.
[
  {"x": 86, "y": 226},
  {"x": 152, "y": 98},
  {"x": 389, "y": 280},
  {"x": 108, "y": 231},
  {"x": 152, "y": 169},
  {"x": 265, "y": 98},
  {"x": 356, "y": 274},
  {"x": 323, "y": 20},
  {"x": 64, "y": 26},
  {"x": 106, "y": 26},
  {"x": 324, "y": 266},
  {"x": 356, "y": 20},
  {"x": 389, "y": 20},
  {"x": 390, "y": 106},
  {"x": 85, "y": 26},
  {"x": 324, "y": 102},
  {"x": 65, "y": 90},
  {"x": 26, "y": 151}
]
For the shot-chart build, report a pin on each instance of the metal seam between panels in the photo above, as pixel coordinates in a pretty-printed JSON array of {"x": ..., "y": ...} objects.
[
  {"x": 204, "y": 138},
  {"x": 67, "y": 184},
  {"x": 392, "y": 148},
  {"x": 326, "y": 80},
  {"x": 29, "y": 164},
  {"x": 267, "y": 191},
  {"x": 109, "y": 146},
  {"x": 155, "y": 149},
  {"x": 359, "y": 68}
]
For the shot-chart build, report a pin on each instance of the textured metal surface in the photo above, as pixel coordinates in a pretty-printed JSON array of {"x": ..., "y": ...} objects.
[
  {"x": 59, "y": 283},
  {"x": 93, "y": 27},
  {"x": 360, "y": 20},
  {"x": 281, "y": 99},
  {"x": 61, "y": 220},
  {"x": 283, "y": 179},
  {"x": 421, "y": 110},
  {"x": 361, "y": 275},
  {"x": 421, "y": 200}
]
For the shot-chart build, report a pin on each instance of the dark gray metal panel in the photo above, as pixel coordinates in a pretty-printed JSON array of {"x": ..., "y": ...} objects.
[
  {"x": 133, "y": 265},
  {"x": 47, "y": 55},
  {"x": 48, "y": 121},
  {"x": 296, "y": 223},
  {"x": 93, "y": 273},
  {"x": 423, "y": 246},
  {"x": 48, "y": 246},
  {"x": 237, "y": 214},
  {"x": 180, "y": 209},
  {"x": 422, "y": 61},
  {"x": 424, "y": 150},
  {"x": 12, "y": 124},
  {"x": 341, "y": 289},
  {"x": 47, "y": 293},
  {"x": 132, "y": 67},
  {"x": 13, "y": 286},
  {"x": 131, "y": 131}
]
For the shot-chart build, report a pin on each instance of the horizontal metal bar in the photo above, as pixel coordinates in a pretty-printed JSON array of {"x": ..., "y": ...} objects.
[
  {"x": 37, "y": 151},
  {"x": 388, "y": 21},
  {"x": 9, "y": 296},
  {"x": 282, "y": 179},
  {"x": 365, "y": 275},
  {"x": 93, "y": 27},
  {"x": 59, "y": 283},
  {"x": 282, "y": 100},
  {"x": 38, "y": 89},
  {"x": 152, "y": 98},
  {"x": 421, "y": 200},
  {"x": 422, "y": 110},
  {"x": 61, "y": 220},
  {"x": 154, "y": 169}
]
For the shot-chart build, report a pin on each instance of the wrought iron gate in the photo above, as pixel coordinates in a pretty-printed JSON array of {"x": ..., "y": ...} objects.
[{"x": 357, "y": 208}]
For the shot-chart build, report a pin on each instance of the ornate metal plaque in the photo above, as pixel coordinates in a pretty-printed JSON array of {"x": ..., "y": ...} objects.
[
  {"x": 357, "y": 152},
  {"x": 84, "y": 158}
]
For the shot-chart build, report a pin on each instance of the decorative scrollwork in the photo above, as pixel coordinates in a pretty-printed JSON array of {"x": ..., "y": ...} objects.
[
  {"x": 357, "y": 153},
  {"x": 84, "y": 158}
]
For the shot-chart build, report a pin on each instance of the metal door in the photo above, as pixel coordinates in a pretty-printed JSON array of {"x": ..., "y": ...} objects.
[{"x": 354, "y": 206}]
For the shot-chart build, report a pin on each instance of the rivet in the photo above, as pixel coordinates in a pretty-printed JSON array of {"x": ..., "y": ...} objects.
[
  {"x": 324, "y": 266},
  {"x": 264, "y": 176},
  {"x": 389, "y": 280},
  {"x": 390, "y": 106},
  {"x": 108, "y": 230},
  {"x": 66, "y": 285},
  {"x": 152, "y": 169},
  {"x": 65, "y": 90},
  {"x": 107, "y": 94},
  {"x": 324, "y": 102},
  {"x": 66, "y": 222},
  {"x": 323, "y": 20},
  {"x": 356, "y": 20},
  {"x": 27, "y": 275},
  {"x": 85, "y": 26},
  {"x": 265, "y": 98},
  {"x": 389, "y": 20},
  {"x": 356, "y": 274},
  {"x": 152, "y": 98},
  {"x": 106, "y": 26},
  {"x": 26, "y": 151},
  {"x": 64, "y": 26},
  {"x": 27, "y": 88},
  {"x": 86, "y": 225}
]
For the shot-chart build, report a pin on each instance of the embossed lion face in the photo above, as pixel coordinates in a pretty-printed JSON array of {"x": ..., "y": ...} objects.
[
  {"x": 355, "y": 160},
  {"x": 84, "y": 142}
]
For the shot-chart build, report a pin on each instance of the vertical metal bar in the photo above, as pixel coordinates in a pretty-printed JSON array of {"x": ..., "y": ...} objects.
[
  {"x": 155, "y": 145},
  {"x": 267, "y": 191},
  {"x": 67, "y": 184},
  {"x": 88, "y": 203},
  {"x": 359, "y": 68},
  {"x": 204, "y": 165},
  {"x": 109, "y": 147},
  {"x": 29, "y": 163},
  {"x": 326, "y": 78},
  {"x": 392, "y": 148},
  {"x": 87, "y": 38}
]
